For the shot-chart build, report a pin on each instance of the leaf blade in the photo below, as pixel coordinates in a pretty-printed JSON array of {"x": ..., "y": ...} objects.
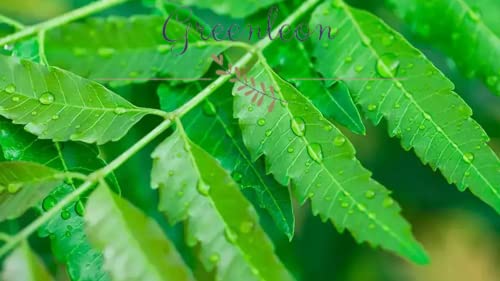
[{"x": 23, "y": 264}]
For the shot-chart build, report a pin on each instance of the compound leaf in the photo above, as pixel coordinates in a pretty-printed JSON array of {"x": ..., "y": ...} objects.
[
  {"x": 302, "y": 147},
  {"x": 222, "y": 138},
  {"x": 22, "y": 185},
  {"x": 467, "y": 30},
  {"x": 58, "y": 105},
  {"x": 134, "y": 245},
  {"x": 120, "y": 50},
  {"x": 194, "y": 187},
  {"x": 412, "y": 95},
  {"x": 66, "y": 232}
]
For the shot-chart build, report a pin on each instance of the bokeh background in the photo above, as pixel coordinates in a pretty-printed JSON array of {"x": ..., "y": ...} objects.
[{"x": 461, "y": 234}]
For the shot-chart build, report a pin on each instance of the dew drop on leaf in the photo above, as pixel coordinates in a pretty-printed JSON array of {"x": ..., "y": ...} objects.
[
  {"x": 290, "y": 150},
  {"x": 246, "y": 227},
  {"x": 65, "y": 215},
  {"x": 49, "y": 202},
  {"x": 348, "y": 59},
  {"x": 387, "y": 66},
  {"x": 10, "y": 89},
  {"x": 214, "y": 258},
  {"x": 105, "y": 52},
  {"x": 372, "y": 107},
  {"x": 15, "y": 99},
  {"x": 468, "y": 157},
  {"x": 55, "y": 117},
  {"x": 230, "y": 236},
  {"x": 344, "y": 205},
  {"x": 261, "y": 122},
  {"x": 388, "y": 202},
  {"x": 79, "y": 208},
  {"x": 46, "y": 98},
  {"x": 369, "y": 194},
  {"x": 14, "y": 187},
  {"x": 120, "y": 110},
  {"x": 269, "y": 132},
  {"x": 209, "y": 108},
  {"x": 203, "y": 188},
  {"x": 315, "y": 152},
  {"x": 237, "y": 176},
  {"x": 339, "y": 140},
  {"x": 298, "y": 126},
  {"x": 359, "y": 68}
]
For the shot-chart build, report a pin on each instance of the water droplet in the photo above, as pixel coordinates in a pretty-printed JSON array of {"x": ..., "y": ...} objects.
[
  {"x": 10, "y": 89},
  {"x": 120, "y": 110},
  {"x": 49, "y": 202},
  {"x": 79, "y": 52},
  {"x": 261, "y": 122},
  {"x": 310, "y": 195},
  {"x": 14, "y": 187},
  {"x": 230, "y": 236},
  {"x": 421, "y": 127},
  {"x": 370, "y": 194},
  {"x": 46, "y": 98},
  {"x": 250, "y": 108},
  {"x": 344, "y": 205},
  {"x": 290, "y": 150},
  {"x": 387, "y": 40},
  {"x": 371, "y": 226},
  {"x": 105, "y": 52},
  {"x": 15, "y": 99},
  {"x": 388, "y": 202},
  {"x": 214, "y": 258},
  {"x": 366, "y": 41},
  {"x": 387, "y": 66},
  {"x": 348, "y": 59},
  {"x": 34, "y": 113},
  {"x": 427, "y": 116},
  {"x": 315, "y": 152},
  {"x": 163, "y": 48},
  {"x": 339, "y": 140},
  {"x": 203, "y": 188},
  {"x": 133, "y": 74},
  {"x": 171, "y": 173},
  {"x": 492, "y": 80},
  {"x": 79, "y": 208},
  {"x": 468, "y": 157},
  {"x": 328, "y": 127},
  {"x": 298, "y": 126},
  {"x": 269, "y": 132},
  {"x": 372, "y": 107},
  {"x": 65, "y": 215},
  {"x": 55, "y": 117},
  {"x": 246, "y": 227},
  {"x": 359, "y": 68},
  {"x": 209, "y": 108},
  {"x": 475, "y": 15},
  {"x": 237, "y": 176}
]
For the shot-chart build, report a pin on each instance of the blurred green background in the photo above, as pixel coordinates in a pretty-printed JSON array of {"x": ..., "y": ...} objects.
[{"x": 461, "y": 233}]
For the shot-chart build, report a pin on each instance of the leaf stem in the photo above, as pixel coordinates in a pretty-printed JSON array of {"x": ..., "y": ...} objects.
[
  {"x": 61, "y": 20},
  {"x": 11, "y": 22},
  {"x": 100, "y": 174}
]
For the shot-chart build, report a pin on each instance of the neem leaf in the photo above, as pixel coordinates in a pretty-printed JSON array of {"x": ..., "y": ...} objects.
[
  {"x": 22, "y": 185},
  {"x": 134, "y": 245},
  {"x": 196, "y": 189},
  {"x": 58, "y": 105}
]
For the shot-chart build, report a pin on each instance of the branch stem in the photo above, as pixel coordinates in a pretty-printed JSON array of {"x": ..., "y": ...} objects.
[{"x": 100, "y": 174}]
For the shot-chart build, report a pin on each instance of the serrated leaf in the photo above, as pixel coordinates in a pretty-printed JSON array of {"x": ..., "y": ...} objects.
[
  {"x": 334, "y": 101},
  {"x": 222, "y": 139},
  {"x": 415, "y": 98},
  {"x": 194, "y": 187},
  {"x": 233, "y": 8},
  {"x": 68, "y": 239},
  {"x": 302, "y": 147},
  {"x": 467, "y": 30},
  {"x": 134, "y": 245},
  {"x": 58, "y": 105},
  {"x": 22, "y": 185},
  {"x": 132, "y": 49},
  {"x": 23, "y": 264}
]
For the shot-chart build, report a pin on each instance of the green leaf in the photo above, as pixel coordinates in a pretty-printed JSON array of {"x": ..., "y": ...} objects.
[
  {"x": 221, "y": 137},
  {"x": 303, "y": 148},
  {"x": 194, "y": 187},
  {"x": 233, "y": 8},
  {"x": 334, "y": 101},
  {"x": 66, "y": 232},
  {"x": 120, "y": 50},
  {"x": 22, "y": 185},
  {"x": 415, "y": 98},
  {"x": 55, "y": 104},
  {"x": 134, "y": 245},
  {"x": 467, "y": 30},
  {"x": 24, "y": 265}
]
